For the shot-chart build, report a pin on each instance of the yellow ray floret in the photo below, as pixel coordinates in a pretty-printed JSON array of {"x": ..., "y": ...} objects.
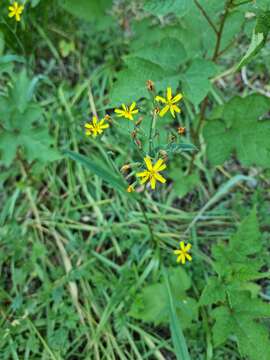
[
  {"x": 15, "y": 10},
  {"x": 152, "y": 175},
  {"x": 170, "y": 103},
  {"x": 127, "y": 111},
  {"x": 95, "y": 127},
  {"x": 182, "y": 253}
]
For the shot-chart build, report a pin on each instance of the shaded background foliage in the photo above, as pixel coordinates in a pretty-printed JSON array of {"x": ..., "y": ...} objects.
[{"x": 81, "y": 276}]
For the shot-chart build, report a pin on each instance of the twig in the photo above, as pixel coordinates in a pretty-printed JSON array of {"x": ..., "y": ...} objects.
[{"x": 210, "y": 22}]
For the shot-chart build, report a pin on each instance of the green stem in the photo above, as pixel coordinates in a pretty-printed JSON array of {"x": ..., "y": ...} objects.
[
  {"x": 147, "y": 221},
  {"x": 152, "y": 132}
]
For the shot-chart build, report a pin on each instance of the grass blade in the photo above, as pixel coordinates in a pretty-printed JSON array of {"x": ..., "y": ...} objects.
[{"x": 179, "y": 342}]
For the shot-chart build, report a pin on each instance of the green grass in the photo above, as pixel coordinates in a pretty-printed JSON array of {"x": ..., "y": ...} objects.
[{"x": 75, "y": 250}]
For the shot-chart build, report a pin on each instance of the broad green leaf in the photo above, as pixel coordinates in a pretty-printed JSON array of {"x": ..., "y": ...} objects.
[
  {"x": 164, "y": 7},
  {"x": 213, "y": 292},
  {"x": 151, "y": 305},
  {"x": 169, "y": 54},
  {"x": 195, "y": 81},
  {"x": 87, "y": 10},
  {"x": 183, "y": 184},
  {"x": 238, "y": 320},
  {"x": 240, "y": 129},
  {"x": 35, "y": 143},
  {"x": 131, "y": 82},
  {"x": 114, "y": 180}
]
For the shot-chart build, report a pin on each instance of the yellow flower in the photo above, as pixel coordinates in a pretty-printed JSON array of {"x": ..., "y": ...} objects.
[
  {"x": 127, "y": 112},
  {"x": 16, "y": 10},
  {"x": 95, "y": 127},
  {"x": 170, "y": 103},
  {"x": 182, "y": 253},
  {"x": 130, "y": 189},
  {"x": 152, "y": 173}
]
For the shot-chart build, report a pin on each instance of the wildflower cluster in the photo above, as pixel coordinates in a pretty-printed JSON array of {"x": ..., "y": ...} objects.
[{"x": 154, "y": 165}]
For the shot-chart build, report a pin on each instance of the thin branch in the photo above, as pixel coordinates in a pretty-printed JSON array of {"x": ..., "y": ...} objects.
[{"x": 210, "y": 22}]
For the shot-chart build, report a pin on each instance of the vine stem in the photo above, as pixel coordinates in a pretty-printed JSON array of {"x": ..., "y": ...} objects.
[
  {"x": 215, "y": 57},
  {"x": 207, "y": 17}
]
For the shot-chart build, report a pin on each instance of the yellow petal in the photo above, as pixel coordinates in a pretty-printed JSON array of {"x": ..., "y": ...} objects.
[
  {"x": 124, "y": 107},
  {"x": 144, "y": 179},
  {"x": 169, "y": 93},
  {"x": 148, "y": 163},
  {"x": 94, "y": 120},
  {"x": 135, "y": 111},
  {"x": 143, "y": 174},
  {"x": 118, "y": 111},
  {"x": 132, "y": 106},
  {"x": 176, "y": 108},
  {"x": 153, "y": 183},
  {"x": 189, "y": 257},
  {"x": 172, "y": 111},
  {"x": 164, "y": 110},
  {"x": 188, "y": 247},
  {"x": 161, "y": 99},
  {"x": 88, "y": 133},
  {"x": 176, "y": 252},
  {"x": 160, "y": 178},
  {"x": 11, "y": 8},
  {"x": 105, "y": 126},
  {"x": 158, "y": 164},
  {"x": 11, "y": 14},
  {"x": 183, "y": 259},
  {"x": 177, "y": 98},
  {"x": 182, "y": 245}
]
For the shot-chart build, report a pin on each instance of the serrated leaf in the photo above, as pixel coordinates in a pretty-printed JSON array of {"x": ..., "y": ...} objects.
[
  {"x": 238, "y": 320},
  {"x": 240, "y": 130},
  {"x": 246, "y": 241},
  {"x": 213, "y": 292}
]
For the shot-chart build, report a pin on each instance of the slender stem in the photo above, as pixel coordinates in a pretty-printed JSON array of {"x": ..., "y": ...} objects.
[
  {"x": 243, "y": 3},
  {"x": 147, "y": 221},
  {"x": 151, "y": 131},
  {"x": 210, "y": 22},
  {"x": 221, "y": 28},
  {"x": 214, "y": 59}
]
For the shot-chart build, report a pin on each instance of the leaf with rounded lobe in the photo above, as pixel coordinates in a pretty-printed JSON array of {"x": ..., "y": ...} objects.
[
  {"x": 240, "y": 129},
  {"x": 195, "y": 81}
]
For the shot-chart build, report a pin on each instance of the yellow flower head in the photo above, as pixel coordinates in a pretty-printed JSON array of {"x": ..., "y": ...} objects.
[
  {"x": 152, "y": 173},
  {"x": 15, "y": 10},
  {"x": 95, "y": 127},
  {"x": 127, "y": 111},
  {"x": 182, "y": 253},
  {"x": 170, "y": 103}
]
